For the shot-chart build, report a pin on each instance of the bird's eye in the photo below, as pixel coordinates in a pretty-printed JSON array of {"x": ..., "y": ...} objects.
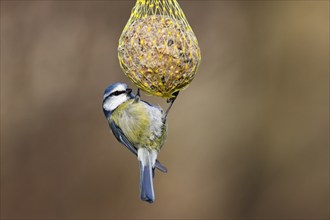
[{"x": 117, "y": 93}]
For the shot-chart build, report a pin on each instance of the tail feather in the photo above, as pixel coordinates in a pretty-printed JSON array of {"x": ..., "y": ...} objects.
[
  {"x": 147, "y": 165},
  {"x": 146, "y": 183}
]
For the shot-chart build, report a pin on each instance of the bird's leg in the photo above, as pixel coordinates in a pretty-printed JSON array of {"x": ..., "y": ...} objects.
[
  {"x": 171, "y": 101},
  {"x": 137, "y": 96},
  {"x": 138, "y": 92}
]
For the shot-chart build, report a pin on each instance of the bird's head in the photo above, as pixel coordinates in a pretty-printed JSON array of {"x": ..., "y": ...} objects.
[{"x": 115, "y": 95}]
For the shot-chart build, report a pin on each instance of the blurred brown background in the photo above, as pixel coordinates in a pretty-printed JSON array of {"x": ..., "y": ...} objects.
[{"x": 247, "y": 139}]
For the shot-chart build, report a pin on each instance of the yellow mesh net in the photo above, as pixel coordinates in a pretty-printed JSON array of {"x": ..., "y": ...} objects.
[{"x": 158, "y": 51}]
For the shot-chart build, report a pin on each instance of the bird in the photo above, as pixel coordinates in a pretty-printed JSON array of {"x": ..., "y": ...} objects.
[{"x": 141, "y": 127}]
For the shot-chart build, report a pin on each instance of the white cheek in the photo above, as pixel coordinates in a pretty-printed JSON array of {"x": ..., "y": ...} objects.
[{"x": 112, "y": 103}]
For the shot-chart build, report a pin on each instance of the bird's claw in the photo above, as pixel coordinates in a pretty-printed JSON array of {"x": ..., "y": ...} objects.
[
  {"x": 137, "y": 96},
  {"x": 171, "y": 101}
]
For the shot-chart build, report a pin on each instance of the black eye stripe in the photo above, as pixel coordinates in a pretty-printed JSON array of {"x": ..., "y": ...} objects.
[{"x": 115, "y": 93}]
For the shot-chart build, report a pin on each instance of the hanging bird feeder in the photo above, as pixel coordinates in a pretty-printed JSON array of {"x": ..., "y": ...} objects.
[{"x": 158, "y": 51}]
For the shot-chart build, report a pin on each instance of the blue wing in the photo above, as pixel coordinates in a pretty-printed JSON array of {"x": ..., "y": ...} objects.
[{"x": 123, "y": 139}]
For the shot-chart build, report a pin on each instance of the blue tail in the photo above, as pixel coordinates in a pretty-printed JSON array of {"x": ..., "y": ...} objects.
[{"x": 146, "y": 183}]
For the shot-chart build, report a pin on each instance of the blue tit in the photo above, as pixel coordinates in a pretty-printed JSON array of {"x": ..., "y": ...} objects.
[{"x": 139, "y": 126}]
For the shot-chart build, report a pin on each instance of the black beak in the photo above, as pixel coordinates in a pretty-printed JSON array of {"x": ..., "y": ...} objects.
[{"x": 128, "y": 91}]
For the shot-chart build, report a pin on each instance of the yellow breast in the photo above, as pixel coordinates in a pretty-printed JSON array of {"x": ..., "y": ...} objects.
[{"x": 134, "y": 120}]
